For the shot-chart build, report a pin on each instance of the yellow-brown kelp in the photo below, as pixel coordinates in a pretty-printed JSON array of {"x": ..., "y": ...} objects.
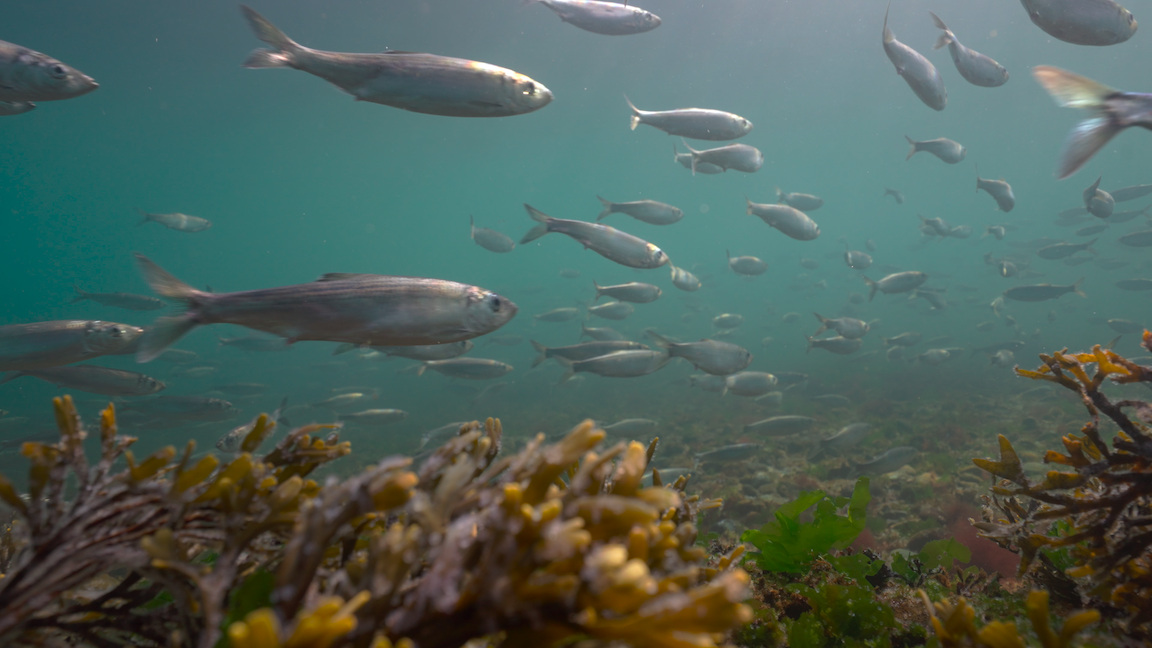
[
  {"x": 554, "y": 542},
  {"x": 1099, "y": 509},
  {"x": 955, "y": 627}
]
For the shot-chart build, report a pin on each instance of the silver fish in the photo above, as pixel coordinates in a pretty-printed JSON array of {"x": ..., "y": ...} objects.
[
  {"x": 1062, "y": 250},
  {"x": 232, "y": 439},
  {"x": 975, "y": 67},
  {"x": 996, "y": 231},
  {"x": 503, "y": 340},
  {"x": 857, "y": 260},
  {"x": 1125, "y": 327},
  {"x": 61, "y": 342},
  {"x": 846, "y": 437},
  {"x": 635, "y": 292},
  {"x": 917, "y": 71},
  {"x": 789, "y": 220},
  {"x": 178, "y": 222},
  {"x": 648, "y": 211},
  {"x": 896, "y": 283},
  {"x": 684, "y": 280},
  {"x": 749, "y": 384},
  {"x": 1112, "y": 111},
  {"x": 891, "y": 460},
  {"x": 947, "y": 150},
  {"x": 839, "y": 345},
  {"x": 469, "y": 368},
  {"x": 1002, "y": 358},
  {"x": 94, "y": 380},
  {"x": 1042, "y": 292},
  {"x": 440, "y": 434},
  {"x": 606, "y": 18},
  {"x": 357, "y": 308},
  {"x": 1082, "y": 22},
  {"x": 848, "y": 327},
  {"x": 27, "y": 75},
  {"x": 374, "y": 417},
  {"x": 780, "y": 426},
  {"x": 694, "y": 123},
  {"x": 631, "y": 427},
  {"x": 489, "y": 239},
  {"x": 343, "y": 401},
  {"x": 686, "y": 160},
  {"x": 709, "y": 383},
  {"x": 1098, "y": 202},
  {"x": 242, "y": 389},
  {"x": 738, "y": 157},
  {"x": 188, "y": 408},
  {"x": 601, "y": 333},
  {"x": 422, "y": 83},
  {"x": 608, "y": 242},
  {"x": 710, "y": 356},
  {"x": 802, "y": 201},
  {"x": 727, "y": 321},
  {"x": 585, "y": 350},
  {"x": 126, "y": 301},
  {"x": 1130, "y": 214},
  {"x": 427, "y": 351},
  {"x": 735, "y": 452},
  {"x": 11, "y": 108},
  {"x": 254, "y": 343},
  {"x": 896, "y": 195},
  {"x": 558, "y": 314},
  {"x": 612, "y": 310},
  {"x": 1000, "y": 191},
  {"x": 1132, "y": 193},
  {"x": 936, "y": 299},
  {"x": 619, "y": 364},
  {"x": 935, "y": 226},
  {"x": 748, "y": 266},
  {"x": 1143, "y": 238}
]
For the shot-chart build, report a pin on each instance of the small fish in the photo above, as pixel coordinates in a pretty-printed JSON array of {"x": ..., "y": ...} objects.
[
  {"x": 126, "y": 301},
  {"x": 947, "y": 150},
  {"x": 422, "y": 83},
  {"x": 619, "y": 364},
  {"x": 896, "y": 283},
  {"x": 896, "y": 195},
  {"x": 891, "y": 460},
  {"x": 440, "y": 434},
  {"x": 343, "y": 401},
  {"x": 231, "y": 440},
  {"x": 468, "y": 368},
  {"x": 1112, "y": 110},
  {"x": 1132, "y": 193},
  {"x": 94, "y": 380},
  {"x": 1000, "y": 191},
  {"x": 569, "y": 273},
  {"x": 1007, "y": 269},
  {"x": 489, "y": 239},
  {"x": 809, "y": 264},
  {"x": 984, "y": 327},
  {"x": 735, "y": 452},
  {"x": 601, "y": 334},
  {"x": 788, "y": 220},
  {"x": 1098, "y": 202},
  {"x": 935, "y": 226},
  {"x": 634, "y": 292},
  {"x": 738, "y": 157},
  {"x": 710, "y": 356},
  {"x": 748, "y": 266},
  {"x": 935, "y": 356},
  {"x": 693, "y": 123},
  {"x": 709, "y": 383},
  {"x": 1125, "y": 327},
  {"x": 605, "y": 18},
  {"x": 648, "y": 211},
  {"x": 178, "y": 222},
  {"x": 727, "y": 321},
  {"x": 424, "y": 352},
  {"x": 242, "y": 389},
  {"x": 1082, "y": 22},
  {"x": 960, "y": 232},
  {"x": 767, "y": 342},
  {"x": 975, "y": 67},
  {"x": 1129, "y": 214},
  {"x": 1042, "y": 292},
  {"x": 839, "y": 345},
  {"x": 845, "y": 438},
  {"x": 848, "y": 327},
  {"x": 187, "y": 408},
  {"x": 802, "y": 201},
  {"x": 631, "y": 427},
  {"x": 686, "y": 160},
  {"x": 616, "y": 310},
  {"x": 857, "y": 260},
  {"x": 374, "y": 417},
  {"x": 1063, "y": 250},
  {"x": 1142, "y": 238},
  {"x": 996, "y": 231},
  {"x": 1134, "y": 284},
  {"x": 1091, "y": 229},
  {"x": 780, "y": 426},
  {"x": 749, "y": 384},
  {"x": 917, "y": 71},
  {"x": 61, "y": 342},
  {"x": 558, "y": 314},
  {"x": 684, "y": 280},
  {"x": 608, "y": 242},
  {"x": 788, "y": 318},
  {"x": 503, "y": 340},
  {"x": 27, "y": 75},
  {"x": 894, "y": 353},
  {"x": 1002, "y": 358}
]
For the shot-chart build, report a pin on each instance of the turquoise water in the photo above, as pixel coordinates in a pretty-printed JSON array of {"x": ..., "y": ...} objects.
[{"x": 300, "y": 180}]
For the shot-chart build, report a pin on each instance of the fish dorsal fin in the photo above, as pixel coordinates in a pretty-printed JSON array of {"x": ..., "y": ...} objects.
[{"x": 340, "y": 276}]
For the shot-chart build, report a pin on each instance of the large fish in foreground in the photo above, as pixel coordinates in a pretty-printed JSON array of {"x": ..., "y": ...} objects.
[
  {"x": 362, "y": 309},
  {"x": 1112, "y": 111},
  {"x": 608, "y": 242},
  {"x": 423, "y": 83},
  {"x": 917, "y": 71},
  {"x": 1082, "y": 22},
  {"x": 61, "y": 342},
  {"x": 27, "y": 75}
]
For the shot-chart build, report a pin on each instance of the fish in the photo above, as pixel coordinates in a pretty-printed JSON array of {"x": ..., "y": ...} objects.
[
  {"x": 1007, "y": 269},
  {"x": 947, "y": 150},
  {"x": 569, "y": 273},
  {"x": 413, "y": 81},
  {"x": 1131, "y": 193},
  {"x": 975, "y": 67},
  {"x": 917, "y": 71},
  {"x": 767, "y": 342},
  {"x": 1142, "y": 238},
  {"x": 1062, "y": 250},
  {"x": 648, "y": 211},
  {"x": 896, "y": 195},
  {"x": 608, "y": 242},
  {"x": 857, "y": 260},
  {"x": 1082, "y": 22},
  {"x": 27, "y": 75},
  {"x": 790, "y": 378},
  {"x": 809, "y": 264},
  {"x": 1090, "y": 230},
  {"x": 185, "y": 408},
  {"x": 601, "y": 333},
  {"x": 242, "y": 389},
  {"x": 738, "y": 157},
  {"x": 727, "y": 321},
  {"x": 710, "y": 356},
  {"x": 1098, "y": 202},
  {"x": 176, "y": 221},
  {"x": 232, "y": 439},
  {"x": 985, "y": 326},
  {"x": 634, "y": 292},
  {"x": 374, "y": 417},
  {"x": 935, "y": 226},
  {"x": 558, "y": 314},
  {"x": 489, "y": 239},
  {"x": 1042, "y": 292},
  {"x": 961, "y": 232},
  {"x": 1002, "y": 358},
  {"x": 749, "y": 384},
  {"x": 839, "y": 345},
  {"x": 894, "y": 353},
  {"x": 802, "y": 201},
  {"x": 907, "y": 339},
  {"x": 684, "y": 280},
  {"x": 605, "y": 18},
  {"x": 424, "y": 352},
  {"x": 468, "y": 368},
  {"x": 848, "y": 327},
  {"x": 363, "y": 309},
  {"x": 13, "y": 108},
  {"x": 1111, "y": 111},
  {"x": 780, "y": 426},
  {"x": 126, "y": 301},
  {"x": 254, "y": 343},
  {"x": 788, "y": 318},
  {"x": 833, "y": 400},
  {"x": 748, "y": 266},
  {"x": 631, "y": 427},
  {"x": 584, "y": 350},
  {"x": 185, "y": 371},
  {"x": 1000, "y": 191},
  {"x": 1134, "y": 284},
  {"x": 343, "y": 401},
  {"x": 936, "y": 356},
  {"x": 694, "y": 123},
  {"x": 687, "y": 160},
  {"x": 896, "y": 283},
  {"x": 709, "y": 383},
  {"x": 734, "y": 452},
  {"x": 439, "y": 435},
  {"x": 619, "y": 364},
  {"x": 94, "y": 380},
  {"x": 1130, "y": 214},
  {"x": 790, "y": 221},
  {"x": 40, "y": 345},
  {"x": 870, "y": 245},
  {"x": 843, "y": 439},
  {"x": 615, "y": 310},
  {"x": 891, "y": 460},
  {"x": 1125, "y": 327}
]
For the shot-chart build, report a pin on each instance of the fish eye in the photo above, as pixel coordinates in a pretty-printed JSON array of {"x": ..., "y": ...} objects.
[
  {"x": 531, "y": 89},
  {"x": 58, "y": 71},
  {"x": 495, "y": 302}
]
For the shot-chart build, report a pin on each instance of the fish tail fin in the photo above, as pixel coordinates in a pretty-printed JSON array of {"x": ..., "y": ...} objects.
[
  {"x": 872, "y": 285},
  {"x": 748, "y": 210},
  {"x": 165, "y": 331},
  {"x": 598, "y": 293},
  {"x": 888, "y": 37},
  {"x": 911, "y": 151},
  {"x": 80, "y": 294},
  {"x": 343, "y": 348},
  {"x": 635, "y": 119},
  {"x": 607, "y": 211},
  {"x": 144, "y": 216},
  {"x": 945, "y": 38},
  {"x": 809, "y": 349},
  {"x": 278, "y": 414},
  {"x": 286, "y": 48},
  {"x": 583, "y": 329},
  {"x": 542, "y": 350},
  {"x": 539, "y": 230},
  {"x": 1089, "y": 246},
  {"x": 823, "y": 324},
  {"x": 569, "y": 370},
  {"x": 660, "y": 340},
  {"x": 1070, "y": 90},
  {"x": 694, "y": 152},
  {"x": 675, "y": 153},
  {"x": 472, "y": 224},
  {"x": 421, "y": 368},
  {"x": 162, "y": 282},
  {"x": 1076, "y": 287}
]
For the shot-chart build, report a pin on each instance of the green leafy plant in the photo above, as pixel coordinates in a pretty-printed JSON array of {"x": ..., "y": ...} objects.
[
  {"x": 845, "y": 615},
  {"x": 941, "y": 553}
]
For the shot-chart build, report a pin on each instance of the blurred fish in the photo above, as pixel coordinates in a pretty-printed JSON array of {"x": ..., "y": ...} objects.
[
  {"x": 1091, "y": 229},
  {"x": 489, "y": 239},
  {"x": 428, "y": 351},
  {"x": 727, "y": 320},
  {"x": 848, "y": 327},
  {"x": 937, "y": 226},
  {"x": 960, "y": 232},
  {"x": 601, "y": 334},
  {"x": 735, "y": 452},
  {"x": 985, "y": 326},
  {"x": 27, "y": 75},
  {"x": 126, "y": 301},
  {"x": 766, "y": 342},
  {"x": 13, "y": 108},
  {"x": 1002, "y": 358},
  {"x": 605, "y": 18},
  {"x": 1112, "y": 110},
  {"x": 975, "y": 67},
  {"x": 694, "y": 123},
  {"x": 1062, "y": 250},
  {"x": 1125, "y": 327},
  {"x": 788, "y": 220},
  {"x": 631, "y": 427},
  {"x": 440, "y": 434},
  {"x": 569, "y": 273},
  {"x": 870, "y": 245},
  {"x": 843, "y": 439},
  {"x": 94, "y": 380},
  {"x": 1134, "y": 284},
  {"x": 232, "y": 439},
  {"x": 616, "y": 310},
  {"x": 423, "y": 83},
  {"x": 904, "y": 339},
  {"x": 780, "y": 426},
  {"x": 894, "y": 353},
  {"x": 1131, "y": 193},
  {"x": 891, "y": 460},
  {"x": 608, "y": 242},
  {"x": 242, "y": 389},
  {"x": 254, "y": 343},
  {"x": 1000, "y": 191},
  {"x": 809, "y": 264},
  {"x": 857, "y": 260},
  {"x": 947, "y": 150},
  {"x": 61, "y": 342},
  {"x": 501, "y": 340},
  {"x": 1142, "y": 238},
  {"x": 1082, "y": 22},
  {"x": 802, "y": 201},
  {"x": 833, "y": 400},
  {"x": 749, "y": 384},
  {"x": 343, "y": 401},
  {"x": 748, "y": 266},
  {"x": 710, "y": 356},
  {"x": 185, "y": 371},
  {"x": 1098, "y": 202},
  {"x": 648, "y": 211},
  {"x": 178, "y": 222},
  {"x": 1129, "y": 214},
  {"x": 684, "y": 280},
  {"x": 896, "y": 195},
  {"x": 916, "y": 70},
  {"x": 709, "y": 383},
  {"x": 1042, "y": 292},
  {"x": 687, "y": 159},
  {"x": 738, "y": 157},
  {"x": 1007, "y": 269},
  {"x": 619, "y": 364},
  {"x": 896, "y": 283},
  {"x": 788, "y": 318},
  {"x": 177, "y": 356},
  {"x": 187, "y": 408},
  {"x": 374, "y": 417},
  {"x": 839, "y": 345},
  {"x": 935, "y": 356},
  {"x": 468, "y": 368}
]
